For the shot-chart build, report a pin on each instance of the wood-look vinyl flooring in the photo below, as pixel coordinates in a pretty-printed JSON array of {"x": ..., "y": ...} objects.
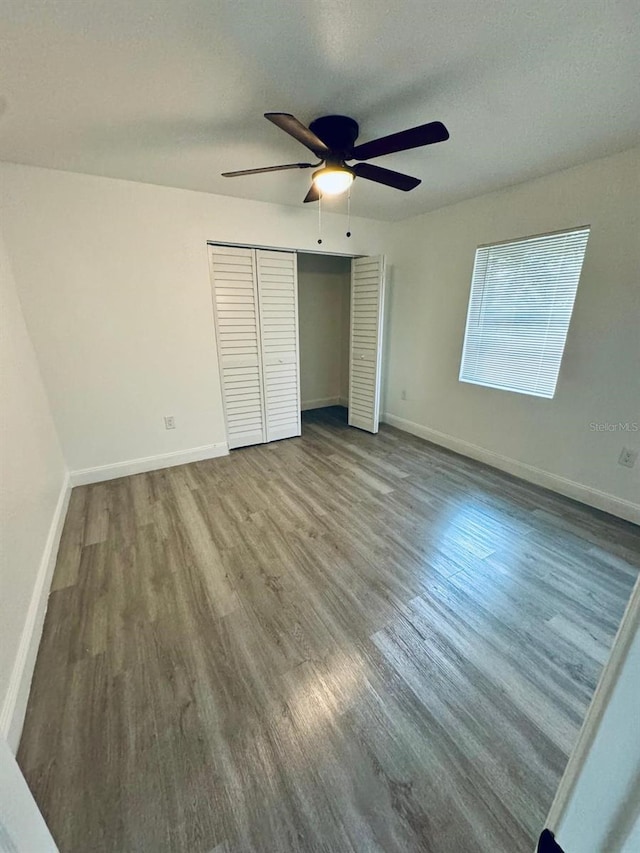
[{"x": 340, "y": 642}]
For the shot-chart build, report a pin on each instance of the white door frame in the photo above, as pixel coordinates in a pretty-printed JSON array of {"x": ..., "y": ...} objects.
[
  {"x": 598, "y": 796},
  {"x": 22, "y": 827}
]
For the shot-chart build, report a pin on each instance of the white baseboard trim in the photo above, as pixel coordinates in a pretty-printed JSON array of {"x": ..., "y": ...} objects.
[
  {"x": 15, "y": 703},
  {"x": 343, "y": 401},
  {"x": 323, "y": 403},
  {"x": 86, "y": 476},
  {"x": 578, "y": 491}
]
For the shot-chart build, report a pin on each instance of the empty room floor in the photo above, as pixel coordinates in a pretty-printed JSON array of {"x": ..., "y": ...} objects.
[{"x": 340, "y": 642}]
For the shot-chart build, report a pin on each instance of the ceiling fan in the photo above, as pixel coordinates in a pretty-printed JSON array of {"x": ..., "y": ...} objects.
[{"x": 332, "y": 140}]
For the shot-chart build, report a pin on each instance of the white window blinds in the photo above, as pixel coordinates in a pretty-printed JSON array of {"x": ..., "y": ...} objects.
[{"x": 522, "y": 296}]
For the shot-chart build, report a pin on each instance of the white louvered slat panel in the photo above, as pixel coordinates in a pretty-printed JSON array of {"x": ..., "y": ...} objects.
[
  {"x": 278, "y": 300},
  {"x": 365, "y": 349},
  {"x": 285, "y": 378},
  {"x": 235, "y": 300}
]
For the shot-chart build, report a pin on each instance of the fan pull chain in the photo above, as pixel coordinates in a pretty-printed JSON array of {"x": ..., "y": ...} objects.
[
  {"x": 320, "y": 220},
  {"x": 349, "y": 212}
]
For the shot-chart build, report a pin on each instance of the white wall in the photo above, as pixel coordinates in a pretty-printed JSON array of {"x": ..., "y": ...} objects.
[
  {"x": 32, "y": 502},
  {"x": 600, "y": 376},
  {"x": 323, "y": 295},
  {"x": 597, "y": 807},
  {"x": 114, "y": 284}
]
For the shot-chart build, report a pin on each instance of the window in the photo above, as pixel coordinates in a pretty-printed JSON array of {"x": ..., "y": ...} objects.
[{"x": 522, "y": 295}]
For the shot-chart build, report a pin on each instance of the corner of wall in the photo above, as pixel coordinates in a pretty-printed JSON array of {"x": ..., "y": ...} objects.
[
  {"x": 15, "y": 703},
  {"x": 569, "y": 488}
]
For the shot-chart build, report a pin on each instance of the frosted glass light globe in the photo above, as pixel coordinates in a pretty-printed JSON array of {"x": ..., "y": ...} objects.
[{"x": 332, "y": 180}]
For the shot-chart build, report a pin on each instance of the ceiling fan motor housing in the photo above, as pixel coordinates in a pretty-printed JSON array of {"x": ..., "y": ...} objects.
[{"x": 339, "y": 134}]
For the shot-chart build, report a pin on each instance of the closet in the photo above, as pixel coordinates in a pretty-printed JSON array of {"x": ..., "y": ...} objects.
[{"x": 255, "y": 301}]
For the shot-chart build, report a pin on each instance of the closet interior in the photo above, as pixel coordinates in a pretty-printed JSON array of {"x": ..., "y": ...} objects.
[{"x": 324, "y": 296}]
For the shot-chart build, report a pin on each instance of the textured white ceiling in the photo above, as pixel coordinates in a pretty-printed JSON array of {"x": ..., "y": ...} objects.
[{"x": 172, "y": 91}]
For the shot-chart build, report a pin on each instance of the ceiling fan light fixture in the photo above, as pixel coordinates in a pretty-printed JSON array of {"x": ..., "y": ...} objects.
[{"x": 333, "y": 180}]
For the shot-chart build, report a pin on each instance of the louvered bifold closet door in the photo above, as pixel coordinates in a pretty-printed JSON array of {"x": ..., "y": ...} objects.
[
  {"x": 235, "y": 298},
  {"x": 278, "y": 297},
  {"x": 365, "y": 350}
]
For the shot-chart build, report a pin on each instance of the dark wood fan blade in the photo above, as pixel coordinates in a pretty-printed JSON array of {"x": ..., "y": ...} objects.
[
  {"x": 425, "y": 134},
  {"x": 295, "y": 128},
  {"x": 385, "y": 176},
  {"x": 268, "y": 169},
  {"x": 314, "y": 194}
]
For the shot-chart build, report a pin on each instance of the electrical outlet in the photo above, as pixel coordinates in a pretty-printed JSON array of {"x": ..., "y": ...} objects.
[
  {"x": 403, "y": 394},
  {"x": 628, "y": 457},
  {"x": 169, "y": 422}
]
